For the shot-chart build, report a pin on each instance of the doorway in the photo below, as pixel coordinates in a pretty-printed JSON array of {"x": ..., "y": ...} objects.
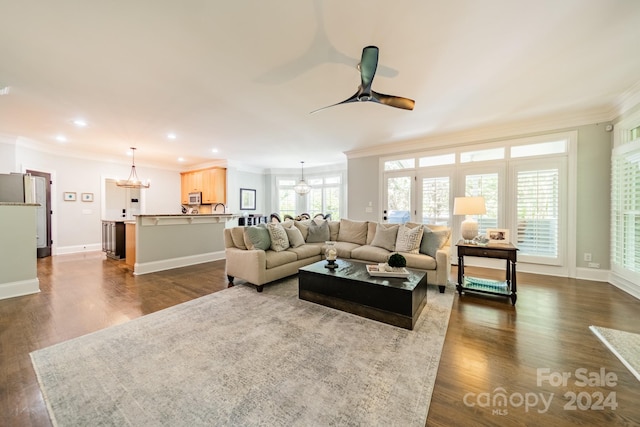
[{"x": 42, "y": 191}]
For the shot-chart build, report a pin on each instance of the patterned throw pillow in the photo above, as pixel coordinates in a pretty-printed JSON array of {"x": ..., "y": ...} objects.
[
  {"x": 279, "y": 239},
  {"x": 408, "y": 239}
]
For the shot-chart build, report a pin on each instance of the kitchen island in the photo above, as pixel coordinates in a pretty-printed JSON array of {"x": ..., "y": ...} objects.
[
  {"x": 18, "y": 263},
  {"x": 163, "y": 242}
]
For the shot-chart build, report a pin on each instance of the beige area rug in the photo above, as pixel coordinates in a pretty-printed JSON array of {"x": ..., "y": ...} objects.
[
  {"x": 242, "y": 358},
  {"x": 625, "y": 346}
]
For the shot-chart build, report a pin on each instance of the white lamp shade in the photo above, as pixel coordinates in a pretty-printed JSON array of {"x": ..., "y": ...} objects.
[{"x": 469, "y": 206}]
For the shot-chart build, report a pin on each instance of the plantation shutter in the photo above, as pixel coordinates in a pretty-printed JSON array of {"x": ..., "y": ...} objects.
[
  {"x": 538, "y": 212},
  {"x": 435, "y": 200},
  {"x": 625, "y": 209}
]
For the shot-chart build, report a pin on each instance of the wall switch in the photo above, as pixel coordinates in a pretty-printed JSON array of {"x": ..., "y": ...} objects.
[
  {"x": 368, "y": 209},
  {"x": 587, "y": 256},
  {"x": 594, "y": 265}
]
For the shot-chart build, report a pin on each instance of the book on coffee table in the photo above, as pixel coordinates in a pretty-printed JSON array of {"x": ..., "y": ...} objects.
[{"x": 373, "y": 270}]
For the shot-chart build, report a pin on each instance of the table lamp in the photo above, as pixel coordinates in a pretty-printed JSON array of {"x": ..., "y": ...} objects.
[{"x": 469, "y": 206}]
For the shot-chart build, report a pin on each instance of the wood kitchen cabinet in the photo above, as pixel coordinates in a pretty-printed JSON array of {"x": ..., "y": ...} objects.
[{"x": 211, "y": 182}]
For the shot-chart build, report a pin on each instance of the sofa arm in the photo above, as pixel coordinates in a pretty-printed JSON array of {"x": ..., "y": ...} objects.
[
  {"x": 247, "y": 264},
  {"x": 443, "y": 265}
]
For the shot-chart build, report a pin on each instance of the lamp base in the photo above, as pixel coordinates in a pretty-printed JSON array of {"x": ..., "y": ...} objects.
[{"x": 469, "y": 229}]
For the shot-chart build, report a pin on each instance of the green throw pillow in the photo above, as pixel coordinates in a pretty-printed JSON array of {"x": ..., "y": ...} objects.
[
  {"x": 257, "y": 238},
  {"x": 433, "y": 240}
]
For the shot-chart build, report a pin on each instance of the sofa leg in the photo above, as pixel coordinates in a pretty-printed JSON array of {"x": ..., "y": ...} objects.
[
  {"x": 259, "y": 288},
  {"x": 441, "y": 287},
  {"x": 230, "y": 284}
]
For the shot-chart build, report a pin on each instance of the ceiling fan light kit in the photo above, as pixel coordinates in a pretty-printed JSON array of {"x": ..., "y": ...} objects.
[{"x": 367, "y": 66}]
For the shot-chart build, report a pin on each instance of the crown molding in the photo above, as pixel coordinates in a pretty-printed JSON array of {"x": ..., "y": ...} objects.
[
  {"x": 627, "y": 100},
  {"x": 555, "y": 123}
]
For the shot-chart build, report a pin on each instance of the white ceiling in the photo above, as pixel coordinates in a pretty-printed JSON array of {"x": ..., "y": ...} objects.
[{"x": 242, "y": 76}]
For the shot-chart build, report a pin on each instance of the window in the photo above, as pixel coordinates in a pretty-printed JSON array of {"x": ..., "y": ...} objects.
[
  {"x": 324, "y": 197},
  {"x": 482, "y": 155},
  {"x": 538, "y": 212},
  {"x": 625, "y": 209},
  {"x": 442, "y": 159},
  {"x": 399, "y": 200},
  {"x": 541, "y": 148},
  {"x": 435, "y": 200},
  {"x": 485, "y": 185},
  {"x": 392, "y": 165}
]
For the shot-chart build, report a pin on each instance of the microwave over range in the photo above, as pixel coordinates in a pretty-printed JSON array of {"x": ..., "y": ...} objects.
[{"x": 195, "y": 198}]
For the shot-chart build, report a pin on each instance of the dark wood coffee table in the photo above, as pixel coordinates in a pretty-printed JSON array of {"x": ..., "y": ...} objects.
[{"x": 350, "y": 288}]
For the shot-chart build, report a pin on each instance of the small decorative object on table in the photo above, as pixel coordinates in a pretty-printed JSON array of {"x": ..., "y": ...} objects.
[
  {"x": 331, "y": 254},
  {"x": 481, "y": 240},
  {"x": 395, "y": 267}
]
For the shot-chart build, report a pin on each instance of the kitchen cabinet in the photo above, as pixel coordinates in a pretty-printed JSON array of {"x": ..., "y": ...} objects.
[{"x": 211, "y": 182}]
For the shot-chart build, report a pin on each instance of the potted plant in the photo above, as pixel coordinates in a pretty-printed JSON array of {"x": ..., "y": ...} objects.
[{"x": 397, "y": 261}]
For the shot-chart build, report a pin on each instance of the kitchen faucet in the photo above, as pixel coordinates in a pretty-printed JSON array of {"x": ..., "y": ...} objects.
[{"x": 224, "y": 208}]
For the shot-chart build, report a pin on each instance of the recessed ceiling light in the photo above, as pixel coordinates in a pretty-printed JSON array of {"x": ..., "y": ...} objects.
[
  {"x": 181, "y": 159},
  {"x": 171, "y": 136},
  {"x": 215, "y": 150},
  {"x": 61, "y": 138},
  {"x": 80, "y": 123}
]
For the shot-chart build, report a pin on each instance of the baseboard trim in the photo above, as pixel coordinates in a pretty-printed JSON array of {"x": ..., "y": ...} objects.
[
  {"x": 168, "y": 264},
  {"x": 90, "y": 247},
  {"x": 593, "y": 274},
  {"x": 625, "y": 285},
  {"x": 19, "y": 288}
]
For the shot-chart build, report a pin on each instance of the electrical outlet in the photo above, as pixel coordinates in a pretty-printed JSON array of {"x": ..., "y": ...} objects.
[
  {"x": 587, "y": 256},
  {"x": 594, "y": 265}
]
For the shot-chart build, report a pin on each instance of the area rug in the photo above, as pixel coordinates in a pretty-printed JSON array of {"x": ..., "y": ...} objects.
[
  {"x": 242, "y": 358},
  {"x": 625, "y": 346}
]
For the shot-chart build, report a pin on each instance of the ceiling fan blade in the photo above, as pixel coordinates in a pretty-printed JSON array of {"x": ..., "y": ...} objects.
[
  {"x": 354, "y": 98},
  {"x": 368, "y": 65},
  {"x": 393, "y": 101}
]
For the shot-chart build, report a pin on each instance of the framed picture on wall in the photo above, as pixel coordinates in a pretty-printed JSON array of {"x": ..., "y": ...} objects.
[
  {"x": 247, "y": 199},
  {"x": 498, "y": 235},
  {"x": 87, "y": 197},
  {"x": 69, "y": 196}
]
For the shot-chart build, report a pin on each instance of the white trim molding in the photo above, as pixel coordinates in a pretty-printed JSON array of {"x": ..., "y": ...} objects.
[
  {"x": 168, "y": 264},
  {"x": 19, "y": 288}
]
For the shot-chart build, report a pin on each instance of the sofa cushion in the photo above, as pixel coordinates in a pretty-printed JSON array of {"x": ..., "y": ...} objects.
[
  {"x": 279, "y": 239},
  {"x": 344, "y": 249},
  {"x": 318, "y": 232},
  {"x": 433, "y": 240},
  {"x": 353, "y": 231},
  {"x": 334, "y": 229},
  {"x": 408, "y": 239},
  {"x": 420, "y": 261},
  {"x": 370, "y": 253},
  {"x": 303, "y": 226},
  {"x": 237, "y": 237},
  {"x": 276, "y": 259},
  {"x": 308, "y": 250},
  {"x": 295, "y": 236},
  {"x": 257, "y": 237},
  {"x": 385, "y": 237},
  {"x": 371, "y": 231}
]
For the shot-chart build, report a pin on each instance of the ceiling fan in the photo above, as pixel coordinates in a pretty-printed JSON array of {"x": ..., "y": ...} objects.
[{"x": 367, "y": 67}]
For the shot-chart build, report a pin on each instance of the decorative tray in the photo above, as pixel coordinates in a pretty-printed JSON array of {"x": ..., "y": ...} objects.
[{"x": 373, "y": 270}]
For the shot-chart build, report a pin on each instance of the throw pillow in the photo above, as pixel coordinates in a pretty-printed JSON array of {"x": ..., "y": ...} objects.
[
  {"x": 295, "y": 236},
  {"x": 433, "y": 240},
  {"x": 353, "y": 231},
  {"x": 256, "y": 237},
  {"x": 303, "y": 226},
  {"x": 279, "y": 239},
  {"x": 318, "y": 233},
  {"x": 408, "y": 239},
  {"x": 386, "y": 236}
]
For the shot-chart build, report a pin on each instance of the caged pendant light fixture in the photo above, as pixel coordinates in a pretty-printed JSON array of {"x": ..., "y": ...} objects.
[
  {"x": 133, "y": 181},
  {"x": 302, "y": 187}
]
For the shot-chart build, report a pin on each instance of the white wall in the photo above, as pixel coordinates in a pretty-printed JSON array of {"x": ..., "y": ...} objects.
[{"x": 76, "y": 226}]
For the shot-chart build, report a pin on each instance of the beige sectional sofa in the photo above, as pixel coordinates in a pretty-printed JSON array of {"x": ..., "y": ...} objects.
[{"x": 264, "y": 253}]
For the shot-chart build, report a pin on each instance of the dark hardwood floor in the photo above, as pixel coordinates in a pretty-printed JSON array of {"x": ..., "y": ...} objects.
[{"x": 490, "y": 348}]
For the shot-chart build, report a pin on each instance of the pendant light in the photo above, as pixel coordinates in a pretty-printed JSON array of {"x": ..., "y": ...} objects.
[
  {"x": 133, "y": 181},
  {"x": 302, "y": 187}
]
